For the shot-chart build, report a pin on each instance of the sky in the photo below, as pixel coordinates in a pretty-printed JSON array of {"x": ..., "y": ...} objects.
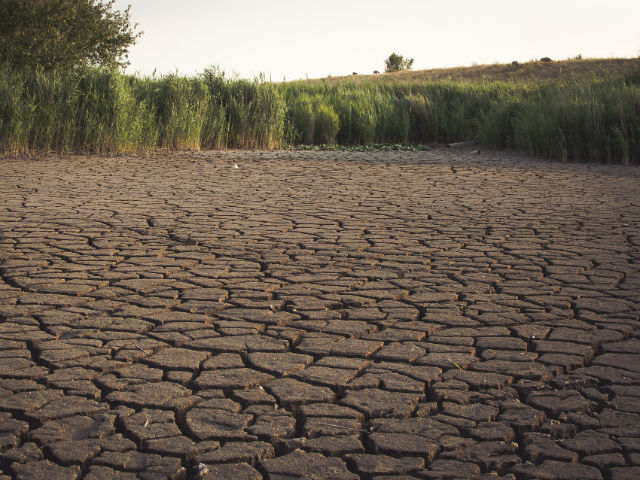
[{"x": 297, "y": 39}]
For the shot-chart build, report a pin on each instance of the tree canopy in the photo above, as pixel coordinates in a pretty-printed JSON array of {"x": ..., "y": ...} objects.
[
  {"x": 64, "y": 33},
  {"x": 396, "y": 63}
]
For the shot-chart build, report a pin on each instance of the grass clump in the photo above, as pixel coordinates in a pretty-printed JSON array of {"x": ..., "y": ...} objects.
[
  {"x": 594, "y": 121},
  {"x": 311, "y": 120}
]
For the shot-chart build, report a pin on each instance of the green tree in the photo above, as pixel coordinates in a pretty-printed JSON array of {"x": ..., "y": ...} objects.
[
  {"x": 396, "y": 63},
  {"x": 64, "y": 33}
]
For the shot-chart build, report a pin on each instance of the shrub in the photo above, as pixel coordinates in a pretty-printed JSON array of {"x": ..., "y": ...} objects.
[{"x": 396, "y": 63}]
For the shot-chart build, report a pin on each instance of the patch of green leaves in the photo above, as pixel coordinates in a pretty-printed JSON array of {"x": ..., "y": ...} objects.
[{"x": 376, "y": 147}]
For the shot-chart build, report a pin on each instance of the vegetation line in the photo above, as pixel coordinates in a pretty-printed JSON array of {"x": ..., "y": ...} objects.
[{"x": 96, "y": 110}]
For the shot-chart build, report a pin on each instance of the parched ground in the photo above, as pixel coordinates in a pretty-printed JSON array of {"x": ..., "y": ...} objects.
[{"x": 432, "y": 315}]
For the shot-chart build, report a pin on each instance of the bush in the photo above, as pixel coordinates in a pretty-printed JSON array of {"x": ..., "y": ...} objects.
[
  {"x": 61, "y": 34},
  {"x": 396, "y": 63}
]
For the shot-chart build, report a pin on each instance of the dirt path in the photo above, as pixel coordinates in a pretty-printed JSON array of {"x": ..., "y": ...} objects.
[{"x": 320, "y": 315}]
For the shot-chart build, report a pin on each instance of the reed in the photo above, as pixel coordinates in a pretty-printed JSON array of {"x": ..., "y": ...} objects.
[{"x": 593, "y": 118}]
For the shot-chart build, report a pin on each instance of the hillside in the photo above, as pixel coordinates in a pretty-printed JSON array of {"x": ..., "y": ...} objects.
[{"x": 529, "y": 72}]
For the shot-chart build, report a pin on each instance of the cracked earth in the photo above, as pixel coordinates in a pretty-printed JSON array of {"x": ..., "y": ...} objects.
[{"x": 324, "y": 315}]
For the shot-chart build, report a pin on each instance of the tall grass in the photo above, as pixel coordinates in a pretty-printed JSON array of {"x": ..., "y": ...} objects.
[
  {"x": 90, "y": 110},
  {"x": 594, "y": 121},
  {"x": 100, "y": 111}
]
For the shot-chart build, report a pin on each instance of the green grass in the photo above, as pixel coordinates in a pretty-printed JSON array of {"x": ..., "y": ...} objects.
[{"x": 589, "y": 118}]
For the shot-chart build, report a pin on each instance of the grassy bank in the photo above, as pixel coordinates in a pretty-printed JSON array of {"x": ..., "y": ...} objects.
[{"x": 585, "y": 119}]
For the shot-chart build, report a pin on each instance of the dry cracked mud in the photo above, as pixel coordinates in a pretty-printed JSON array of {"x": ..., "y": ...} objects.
[{"x": 322, "y": 315}]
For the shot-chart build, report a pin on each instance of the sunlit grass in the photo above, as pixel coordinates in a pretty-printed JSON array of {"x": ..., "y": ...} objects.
[{"x": 595, "y": 118}]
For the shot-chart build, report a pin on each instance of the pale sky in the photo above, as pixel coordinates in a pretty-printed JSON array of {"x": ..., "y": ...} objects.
[{"x": 296, "y": 39}]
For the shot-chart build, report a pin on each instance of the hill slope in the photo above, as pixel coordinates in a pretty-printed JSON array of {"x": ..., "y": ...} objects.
[{"x": 530, "y": 72}]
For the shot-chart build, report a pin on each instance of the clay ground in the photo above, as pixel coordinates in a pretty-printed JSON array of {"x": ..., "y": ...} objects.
[{"x": 325, "y": 315}]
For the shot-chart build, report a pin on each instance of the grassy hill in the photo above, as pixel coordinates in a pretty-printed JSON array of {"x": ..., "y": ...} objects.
[{"x": 529, "y": 72}]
